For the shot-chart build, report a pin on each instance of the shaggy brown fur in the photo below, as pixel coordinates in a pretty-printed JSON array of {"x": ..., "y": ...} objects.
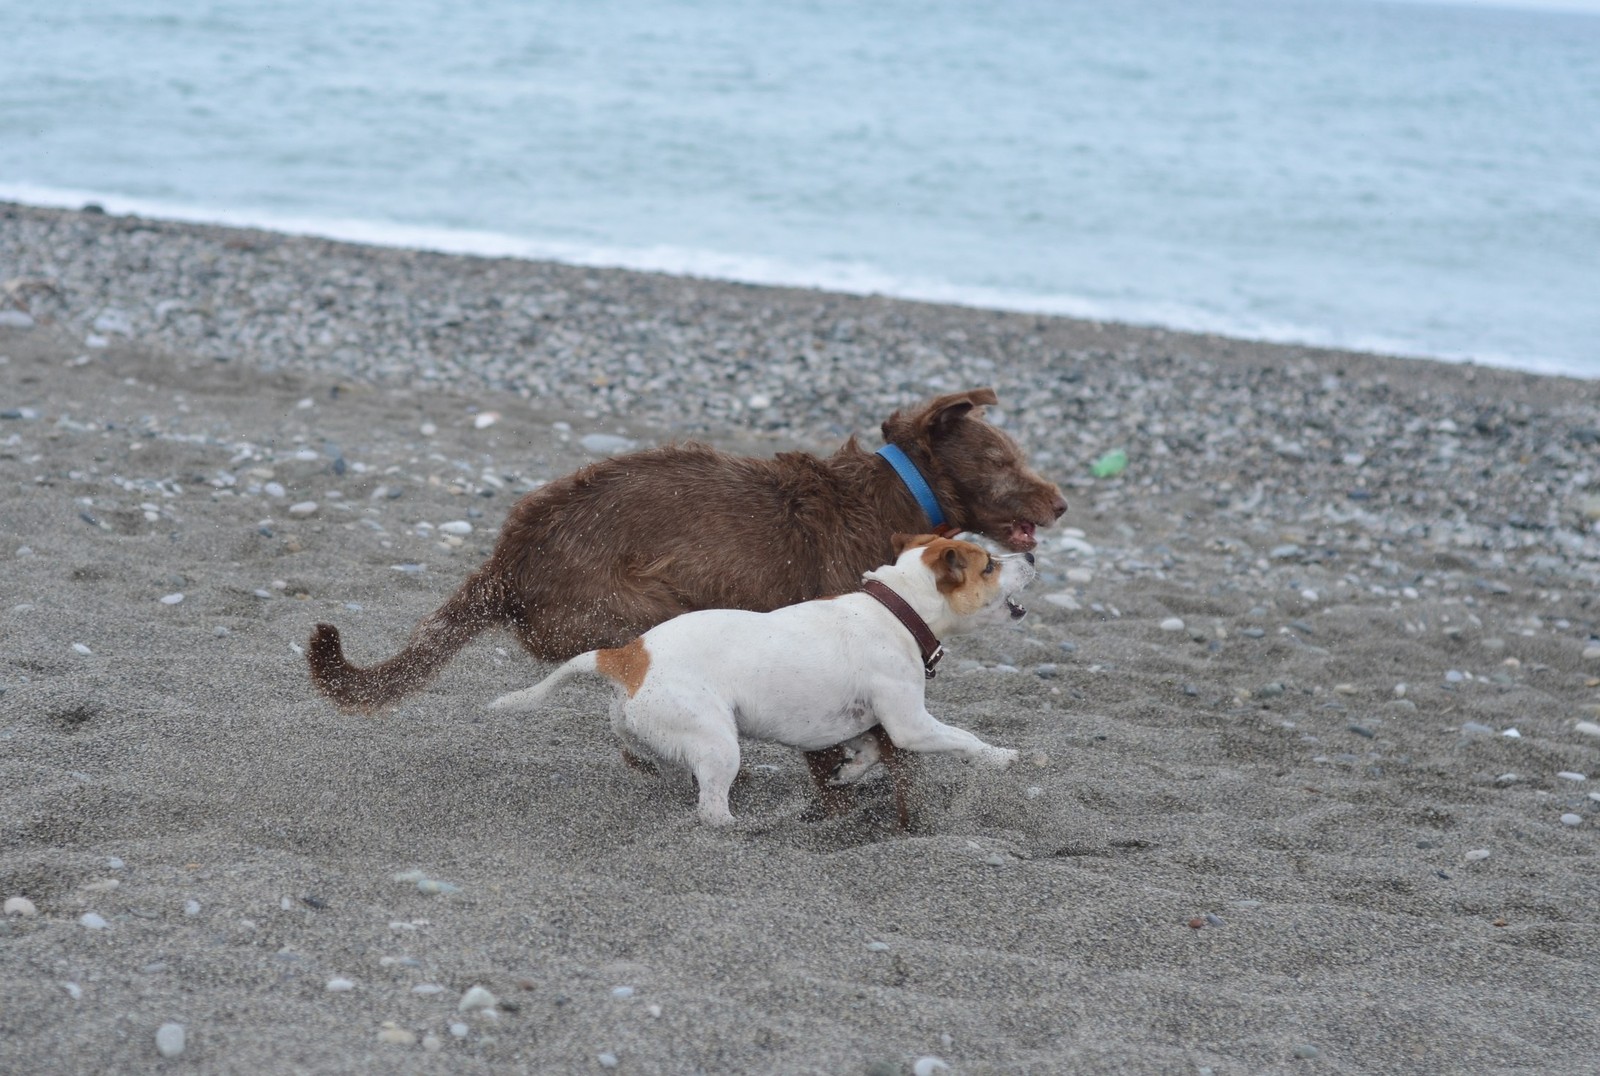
[{"x": 594, "y": 559}]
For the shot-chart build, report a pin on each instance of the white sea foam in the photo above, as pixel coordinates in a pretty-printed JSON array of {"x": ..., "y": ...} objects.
[{"x": 851, "y": 279}]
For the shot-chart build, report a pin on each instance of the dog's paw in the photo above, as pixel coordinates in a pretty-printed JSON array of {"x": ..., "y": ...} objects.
[
  {"x": 998, "y": 758},
  {"x": 860, "y": 755}
]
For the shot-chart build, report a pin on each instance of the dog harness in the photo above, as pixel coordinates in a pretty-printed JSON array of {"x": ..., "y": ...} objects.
[
  {"x": 932, "y": 649},
  {"x": 914, "y": 481}
]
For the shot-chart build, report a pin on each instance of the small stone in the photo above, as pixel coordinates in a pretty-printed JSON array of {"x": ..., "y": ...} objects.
[
  {"x": 1270, "y": 691},
  {"x": 605, "y": 444},
  {"x": 1476, "y": 727},
  {"x": 21, "y": 906},
  {"x": 459, "y": 527},
  {"x": 170, "y": 1040},
  {"x": 1572, "y": 819},
  {"x": 1568, "y": 775},
  {"x": 81, "y": 649},
  {"x": 1306, "y": 1052},
  {"x": 877, "y": 947},
  {"x": 459, "y": 1030},
  {"x": 1588, "y": 728},
  {"x": 927, "y": 1066},
  {"x": 1172, "y": 623},
  {"x": 759, "y": 402},
  {"x": 475, "y": 999},
  {"x": 1476, "y": 854},
  {"x": 93, "y": 921},
  {"x": 340, "y": 985},
  {"x": 1512, "y": 734},
  {"x": 172, "y": 599},
  {"x": 485, "y": 420},
  {"x": 274, "y": 490},
  {"x": 622, "y": 993},
  {"x": 426, "y": 990},
  {"x": 1063, "y": 600},
  {"x": 395, "y": 1035},
  {"x": 607, "y": 1060},
  {"x": 191, "y": 908},
  {"x": 1033, "y": 792},
  {"x": 1591, "y": 653},
  {"x": 434, "y": 885},
  {"x": 15, "y": 319},
  {"x": 303, "y": 508},
  {"x": 427, "y": 429},
  {"x": 1454, "y": 676},
  {"x": 432, "y": 1043}
]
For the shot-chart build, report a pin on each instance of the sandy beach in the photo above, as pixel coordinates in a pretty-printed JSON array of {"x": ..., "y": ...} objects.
[{"x": 1308, "y": 697}]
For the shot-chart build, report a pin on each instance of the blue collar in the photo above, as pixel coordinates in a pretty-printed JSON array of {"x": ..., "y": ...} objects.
[{"x": 914, "y": 482}]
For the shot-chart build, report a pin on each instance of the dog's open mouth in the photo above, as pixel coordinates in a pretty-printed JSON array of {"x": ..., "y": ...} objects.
[
  {"x": 1019, "y": 535},
  {"x": 1017, "y": 612}
]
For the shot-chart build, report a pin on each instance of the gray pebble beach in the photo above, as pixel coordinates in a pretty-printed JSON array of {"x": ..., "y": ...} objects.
[{"x": 1308, "y": 697}]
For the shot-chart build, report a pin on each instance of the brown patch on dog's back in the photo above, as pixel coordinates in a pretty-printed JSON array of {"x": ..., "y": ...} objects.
[{"x": 627, "y": 665}]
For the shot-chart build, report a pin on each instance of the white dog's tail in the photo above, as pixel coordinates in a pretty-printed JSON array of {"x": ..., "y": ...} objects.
[{"x": 529, "y": 698}]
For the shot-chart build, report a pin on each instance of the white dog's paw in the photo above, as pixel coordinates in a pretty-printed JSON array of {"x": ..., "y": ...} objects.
[
  {"x": 999, "y": 758},
  {"x": 861, "y": 754}
]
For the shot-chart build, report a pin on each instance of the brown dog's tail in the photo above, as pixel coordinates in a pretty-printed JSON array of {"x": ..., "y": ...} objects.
[{"x": 479, "y": 603}]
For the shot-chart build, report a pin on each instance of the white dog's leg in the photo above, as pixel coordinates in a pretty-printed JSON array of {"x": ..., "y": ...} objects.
[
  {"x": 907, "y": 721},
  {"x": 707, "y": 741},
  {"x": 862, "y": 754}
]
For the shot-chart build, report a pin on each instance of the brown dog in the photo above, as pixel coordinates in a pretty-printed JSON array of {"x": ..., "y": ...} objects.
[{"x": 594, "y": 559}]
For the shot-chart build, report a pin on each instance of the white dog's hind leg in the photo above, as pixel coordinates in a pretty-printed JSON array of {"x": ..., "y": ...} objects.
[{"x": 704, "y": 739}]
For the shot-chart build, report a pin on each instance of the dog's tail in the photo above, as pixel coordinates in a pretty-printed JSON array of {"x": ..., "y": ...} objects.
[
  {"x": 481, "y": 602},
  {"x": 529, "y": 698}
]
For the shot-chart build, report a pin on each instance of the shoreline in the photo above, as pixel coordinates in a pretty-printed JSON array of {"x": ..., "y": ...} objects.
[{"x": 1330, "y": 636}]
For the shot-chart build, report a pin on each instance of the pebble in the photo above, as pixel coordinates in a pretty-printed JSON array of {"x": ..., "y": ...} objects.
[
  {"x": 1306, "y": 1052},
  {"x": 622, "y": 993},
  {"x": 431, "y": 1043},
  {"x": 191, "y": 908},
  {"x": 303, "y": 509},
  {"x": 1172, "y": 623},
  {"x": 340, "y": 985},
  {"x": 607, "y": 1060},
  {"x": 81, "y": 649},
  {"x": 1476, "y": 727},
  {"x": 15, "y": 319},
  {"x": 485, "y": 420},
  {"x": 93, "y": 921},
  {"x": 427, "y": 989},
  {"x": 395, "y": 1035},
  {"x": 459, "y": 1030},
  {"x": 1476, "y": 854},
  {"x": 877, "y": 947},
  {"x": 1591, "y": 653},
  {"x": 170, "y": 1040},
  {"x": 459, "y": 527},
  {"x": 1270, "y": 691},
  {"x": 274, "y": 490},
  {"x": 1572, "y": 819},
  {"x": 21, "y": 906},
  {"x": 606, "y": 444},
  {"x": 1588, "y": 728},
  {"x": 172, "y": 599},
  {"x": 1454, "y": 676},
  {"x": 1568, "y": 775},
  {"x": 475, "y": 999},
  {"x": 927, "y": 1066}
]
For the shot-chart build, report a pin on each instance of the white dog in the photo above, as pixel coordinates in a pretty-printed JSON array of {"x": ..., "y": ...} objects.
[{"x": 810, "y": 675}]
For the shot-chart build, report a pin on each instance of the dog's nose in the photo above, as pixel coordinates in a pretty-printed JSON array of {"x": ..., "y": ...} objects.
[
  {"x": 1060, "y": 506},
  {"x": 1029, "y": 557}
]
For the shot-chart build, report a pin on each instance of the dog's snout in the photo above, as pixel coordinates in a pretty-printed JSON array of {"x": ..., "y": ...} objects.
[
  {"x": 1059, "y": 506},
  {"x": 1028, "y": 557}
]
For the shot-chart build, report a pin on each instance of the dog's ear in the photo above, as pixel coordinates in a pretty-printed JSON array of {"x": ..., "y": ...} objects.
[
  {"x": 952, "y": 568},
  {"x": 936, "y": 416},
  {"x": 903, "y": 542}
]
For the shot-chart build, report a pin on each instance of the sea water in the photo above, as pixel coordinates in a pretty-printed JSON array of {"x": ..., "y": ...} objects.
[{"x": 1419, "y": 178}]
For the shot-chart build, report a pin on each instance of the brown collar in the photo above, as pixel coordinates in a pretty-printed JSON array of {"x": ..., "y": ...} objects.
[{"x": 932, "y": 651}]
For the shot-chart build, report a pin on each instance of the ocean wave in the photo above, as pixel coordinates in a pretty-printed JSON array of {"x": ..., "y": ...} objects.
[{"x": 846, "y": 278}]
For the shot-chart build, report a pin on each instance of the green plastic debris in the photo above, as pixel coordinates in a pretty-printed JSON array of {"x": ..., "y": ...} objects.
[{"x": 1110, "y": 465}]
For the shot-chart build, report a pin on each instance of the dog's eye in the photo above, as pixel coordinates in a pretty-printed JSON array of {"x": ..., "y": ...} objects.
[{"x": 987, "y": 568}]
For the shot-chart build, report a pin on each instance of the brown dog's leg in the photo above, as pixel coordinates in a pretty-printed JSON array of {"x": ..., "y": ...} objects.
[
  {"x": 835, "y": 801},
  {"x": 899, "y": 769}
]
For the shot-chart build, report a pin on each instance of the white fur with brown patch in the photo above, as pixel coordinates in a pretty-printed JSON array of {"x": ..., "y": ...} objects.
[{"x": 810, "y": 675}]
